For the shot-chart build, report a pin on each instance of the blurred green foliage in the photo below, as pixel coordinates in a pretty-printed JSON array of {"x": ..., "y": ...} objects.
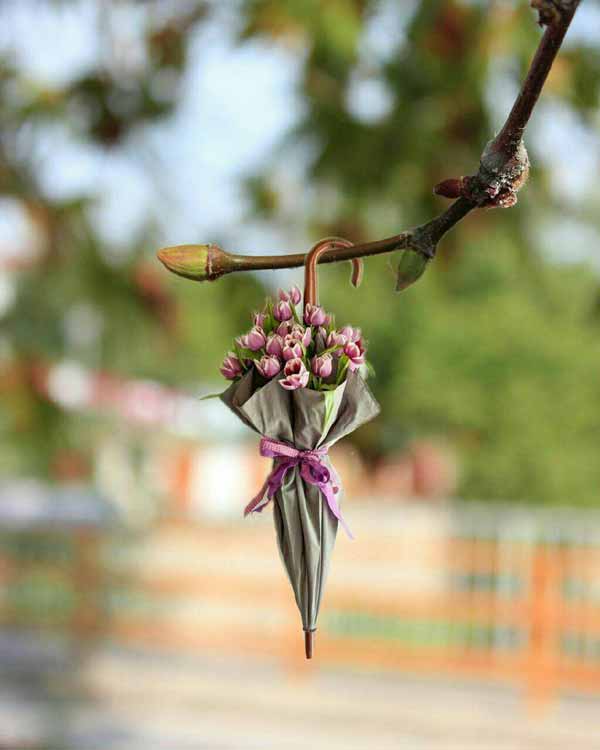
[{"x": 496, "y": 349}]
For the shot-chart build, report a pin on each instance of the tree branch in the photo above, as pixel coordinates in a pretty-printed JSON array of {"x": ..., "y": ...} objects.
[{"x": 503, "y": 170}]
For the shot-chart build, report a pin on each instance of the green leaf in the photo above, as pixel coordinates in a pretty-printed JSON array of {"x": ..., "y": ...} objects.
[
  {"x": 249, "y": 354},
  {"x": 329, "y": 408},
  {"x": 329, "y": 351},
  {"x": 342, "y": 367},
  {"x": 238, "y": 353},
  {"x": 269, "y": 323},
  {"x": 411, "y": 267}
]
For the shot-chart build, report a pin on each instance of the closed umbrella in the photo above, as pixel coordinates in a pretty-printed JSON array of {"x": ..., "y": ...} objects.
[{"x": 300, "y": 386}]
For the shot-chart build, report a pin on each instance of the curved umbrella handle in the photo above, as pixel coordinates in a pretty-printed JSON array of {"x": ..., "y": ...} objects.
[{"x": 311, "y": 295}]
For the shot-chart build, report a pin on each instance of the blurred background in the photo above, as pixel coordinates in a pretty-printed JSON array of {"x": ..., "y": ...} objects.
[{"x": 136, "y": 609}]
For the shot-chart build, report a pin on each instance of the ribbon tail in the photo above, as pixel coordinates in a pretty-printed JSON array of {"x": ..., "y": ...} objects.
[
  {"x": 272, "y": 483},
  {"x": 335, "y": 509},
  {"x": 259, "y": 501}
]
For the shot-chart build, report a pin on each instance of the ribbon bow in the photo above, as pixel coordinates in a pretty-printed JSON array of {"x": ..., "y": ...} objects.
[{"x": 312, "y": 470}]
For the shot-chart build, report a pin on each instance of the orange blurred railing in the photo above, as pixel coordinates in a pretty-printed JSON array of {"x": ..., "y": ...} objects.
[
  {"x": 498, "y": 609},
  {"x": 526, "y": 611}
]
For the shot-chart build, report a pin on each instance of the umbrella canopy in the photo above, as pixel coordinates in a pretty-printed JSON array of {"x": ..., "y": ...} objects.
[{"x": 304, "y": 420}]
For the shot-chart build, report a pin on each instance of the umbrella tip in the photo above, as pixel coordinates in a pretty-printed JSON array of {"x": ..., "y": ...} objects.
[{"x": 309, "y": 640}]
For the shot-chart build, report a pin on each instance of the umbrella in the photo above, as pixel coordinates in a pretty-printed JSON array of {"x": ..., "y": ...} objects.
[{"x": 298, "y": 425}]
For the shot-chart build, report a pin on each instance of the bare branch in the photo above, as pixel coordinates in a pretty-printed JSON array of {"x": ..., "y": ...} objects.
[
  {"x": 503, "y": 170},
  {"x": 512, "y": 131}
]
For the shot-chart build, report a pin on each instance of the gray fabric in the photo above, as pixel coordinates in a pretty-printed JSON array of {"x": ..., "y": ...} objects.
[
  {"x": 238, "y": 393},
  {"x": 306, "y": 529}
]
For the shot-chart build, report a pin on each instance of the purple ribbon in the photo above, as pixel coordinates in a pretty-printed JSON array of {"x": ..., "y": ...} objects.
[{"x": 312, "y": 470}]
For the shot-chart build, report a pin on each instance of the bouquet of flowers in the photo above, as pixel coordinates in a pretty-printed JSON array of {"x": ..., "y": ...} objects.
[
  {"x": 308, "y": 353},
  {"x": 297, "y": 380}
]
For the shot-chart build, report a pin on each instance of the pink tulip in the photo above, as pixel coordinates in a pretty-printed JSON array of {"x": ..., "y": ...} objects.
[
  {"x": 322, "y": 366},
  {"x": 260, "y": 319},
  {"x": 296, "y": 375},
  {"x": 295, "y": 295},
  {"x": 314, "y": 315},
  {"x": 283, "y": 329},
  {"x": 292, "y": 349},
  {"x": 282, "y": 311},
  {"x": 274, "y": 345},
  {"x": 301, "y": 334},
  {"x": 231, "y": 367},
  {"x": 254, "y": 340},
  {"x": 327, "y": 321},
  {"x": 268, "y": 366},
  {"x": 351, "y": 334},
  {"x": 320, "y": 339},
  {"x": 355, "y": 353},
  {"x": 338, "y": 340}
]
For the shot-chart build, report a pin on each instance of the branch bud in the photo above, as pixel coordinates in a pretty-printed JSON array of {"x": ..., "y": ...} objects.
[
  {"x": 411, "y": 267},
  {"x": 197, "y": 262},
  {"x": 501, "y": 175},
  {"x": 451, "y": 188},
  {"x": 549, "y": 11}
]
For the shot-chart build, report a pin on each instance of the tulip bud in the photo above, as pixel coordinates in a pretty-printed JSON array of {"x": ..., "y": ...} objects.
[
  {"x": 314, "y": 315},
  {"x": 231, "y": 367},
  {"x": 356, "y": 354},
  {"x": 322, "y": 366},
  {"x": 337, "y": 339},
  {"x": 282, "y": 311},
  {"x": 260, "y": 319},
  {"x": 320, "y": 339},
  {"x": 351, "y": 334},
  {"x": 284, "y": 328},
  {"x": 295, "y": 295},
  {"x": 254, "y": 340},
  {"x": 268, "y": 366},
  {"x": 301, "y": 334},
  {"x": 274, "y": 345},
  {"x": 296, "y": 375},
  {"x": 292, "y": 349}
]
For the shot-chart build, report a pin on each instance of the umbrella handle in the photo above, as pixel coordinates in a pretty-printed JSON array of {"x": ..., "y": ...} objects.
[
  {"x": 309, "y": 641},
  {"x": 311, "y": 294}
]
